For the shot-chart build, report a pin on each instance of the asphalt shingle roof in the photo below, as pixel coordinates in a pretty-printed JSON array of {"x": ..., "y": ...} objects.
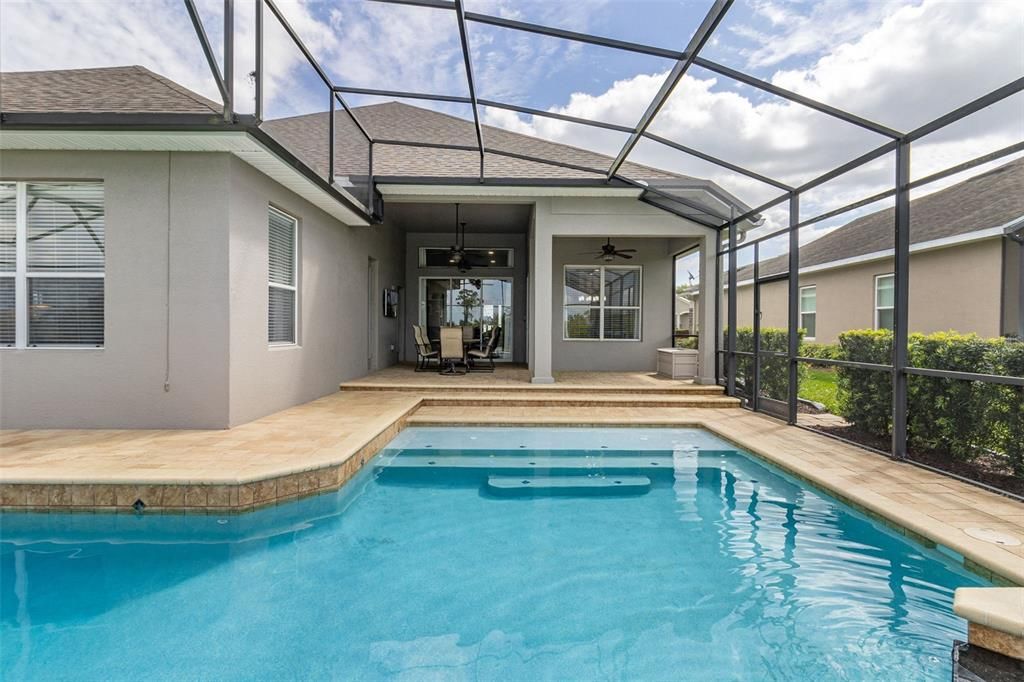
[
  {"x": 990, "y": 199},
  {"x": 135, "y": 89},
  {"x": 117, "y": 90},
  {"x": 306, "y": 136}
]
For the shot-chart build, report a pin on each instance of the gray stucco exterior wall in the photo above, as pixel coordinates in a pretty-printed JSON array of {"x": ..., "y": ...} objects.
[
  {"x": 153, "y": 201},
  {"x": 655, "y": 258},
  {"x": 203, "y": 216},
  {"x": 333, "y": 300}
]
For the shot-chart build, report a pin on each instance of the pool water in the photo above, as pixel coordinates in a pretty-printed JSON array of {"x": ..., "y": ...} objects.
[{"x": 718, "y": 568}]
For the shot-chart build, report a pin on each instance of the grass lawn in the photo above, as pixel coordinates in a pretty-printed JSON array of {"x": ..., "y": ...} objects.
[{"x": 819, "y": 385}]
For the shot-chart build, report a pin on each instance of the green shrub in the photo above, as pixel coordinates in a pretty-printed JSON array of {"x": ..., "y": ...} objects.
[
  {"x": 774, "y": 371},
  {"x": 1004, "y": 413},
  {"x": 865, "y": 395},
  {"x": 961, "y": 418},
  {"x": 688, "y": 342},
  {"x": 822, "y": 351},
  {"x": 946, "y": 414}
]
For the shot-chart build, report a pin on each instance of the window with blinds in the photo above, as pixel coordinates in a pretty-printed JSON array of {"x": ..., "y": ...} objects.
[
  {"x": 602, "y": 303},
  {"x": 8, "y": 261},
  {"x": 52, "y": 261},
  {"x": 281, "y": 275}
]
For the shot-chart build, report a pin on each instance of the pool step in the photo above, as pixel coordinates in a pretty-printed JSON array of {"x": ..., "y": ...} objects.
[
  {"x": 579, "y": 400},
  {"x": 524, "y": 463},
  {"x": 568, "y": 485}
]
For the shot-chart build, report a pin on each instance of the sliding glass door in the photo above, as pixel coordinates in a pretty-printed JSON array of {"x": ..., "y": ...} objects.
[{"x": 480, "y": 304}]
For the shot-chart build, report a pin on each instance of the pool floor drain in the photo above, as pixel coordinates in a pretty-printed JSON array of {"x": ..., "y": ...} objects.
[{"x": 993, "y": 536}]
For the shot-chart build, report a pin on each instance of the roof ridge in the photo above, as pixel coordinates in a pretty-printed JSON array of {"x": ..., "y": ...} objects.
[
  {"x": 529, "y": 137},
  {"x": 172, "y": 85}
]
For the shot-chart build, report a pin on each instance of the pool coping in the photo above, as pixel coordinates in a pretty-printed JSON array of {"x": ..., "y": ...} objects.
[{"x": 244, "y": 494}]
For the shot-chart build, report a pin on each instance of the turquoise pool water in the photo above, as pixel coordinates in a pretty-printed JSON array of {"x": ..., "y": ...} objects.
[{"x": 717, "y": 568}]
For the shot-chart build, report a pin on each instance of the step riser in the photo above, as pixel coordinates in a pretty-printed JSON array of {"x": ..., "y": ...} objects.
[
  {"x": 431, "y": 388},
  {"x": 576, "y": 402}
]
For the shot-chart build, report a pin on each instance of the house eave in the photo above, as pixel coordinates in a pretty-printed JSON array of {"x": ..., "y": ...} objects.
[
  {"x": 920, "y": 247},
  {"x": 185, "y": 133},
  {"x": 399, "y": 189}
]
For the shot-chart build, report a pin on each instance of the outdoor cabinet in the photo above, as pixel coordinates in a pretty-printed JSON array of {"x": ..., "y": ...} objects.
[{"x": 677, "y": 363}]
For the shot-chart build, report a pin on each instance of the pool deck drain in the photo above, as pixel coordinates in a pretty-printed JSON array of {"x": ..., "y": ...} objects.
[{"x": 318, "y": 446}]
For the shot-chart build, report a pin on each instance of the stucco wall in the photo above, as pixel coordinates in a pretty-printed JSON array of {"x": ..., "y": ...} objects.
[
  {"x": 1013, "y": 287},
  {"x": 654, "y": 256},
  {"x": 122, "y": 384},
  {"x": 953, "y": 288},
  {"x": 655, "y": 232},
  {"x": 333, "y": 299},
  {"x": 413, "y": 272}
]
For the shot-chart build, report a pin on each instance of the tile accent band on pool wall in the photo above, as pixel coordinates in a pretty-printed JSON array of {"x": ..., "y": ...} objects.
[{"x": 192, "y": 498}]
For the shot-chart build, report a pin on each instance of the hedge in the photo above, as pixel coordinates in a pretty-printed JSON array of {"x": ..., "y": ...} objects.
[
  {"x": 961, "y": 418},
  {"x": 822, "y": 351},
  {"x": 774, "y": 372}
]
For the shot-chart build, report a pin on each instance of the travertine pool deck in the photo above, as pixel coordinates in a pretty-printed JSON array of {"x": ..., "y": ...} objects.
[{"x": 318, "y": 446}]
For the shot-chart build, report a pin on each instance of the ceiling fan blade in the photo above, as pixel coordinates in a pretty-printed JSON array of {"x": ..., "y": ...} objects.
[
  {"x": 622, "y": 255},
  {"x": 625, "y": 250}
]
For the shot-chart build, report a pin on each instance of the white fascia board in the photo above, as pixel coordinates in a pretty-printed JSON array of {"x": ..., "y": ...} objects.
[
  {"x": 400, "y": 192},
  {"x": 931, "y": 245}
]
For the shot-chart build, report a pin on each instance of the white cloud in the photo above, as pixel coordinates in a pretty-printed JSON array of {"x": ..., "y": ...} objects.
[
  {"x": 913, "y": 64},
  {"x": 793, "y": 31}
]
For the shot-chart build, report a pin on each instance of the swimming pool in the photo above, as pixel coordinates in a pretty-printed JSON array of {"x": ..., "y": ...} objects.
[{"x": 480, "y": 553}]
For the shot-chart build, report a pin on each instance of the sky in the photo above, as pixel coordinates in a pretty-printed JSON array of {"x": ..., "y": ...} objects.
[{"x": 898, "y": 63}]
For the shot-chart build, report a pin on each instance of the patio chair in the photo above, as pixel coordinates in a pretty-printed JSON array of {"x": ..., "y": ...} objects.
[
  {"x": 486, "y": 354},
  {"x": 452, "y": 353},
  {"x": 424, "y": 350}
]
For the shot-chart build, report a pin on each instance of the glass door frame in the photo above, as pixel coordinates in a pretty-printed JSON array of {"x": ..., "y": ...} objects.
[{"x": 508, "y": 335}]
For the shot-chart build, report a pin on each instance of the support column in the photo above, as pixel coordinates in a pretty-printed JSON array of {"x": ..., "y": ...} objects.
[
  {"x": 901, "y": 293},
  {"x": 730, "y": 344},
  {"x": 542, "y": 298},
  {"x": 708, "y": 301},
  {"x": 793, "y": 294}
]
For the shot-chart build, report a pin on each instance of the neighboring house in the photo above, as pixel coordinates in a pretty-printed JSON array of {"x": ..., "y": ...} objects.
[
  {"x": 161, "y": 267},
  {"x": 965, "y": 266}
]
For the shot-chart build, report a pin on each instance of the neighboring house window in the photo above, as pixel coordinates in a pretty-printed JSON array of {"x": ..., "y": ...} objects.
[
  {"x": 283, "y": 308},
  {"x": 884, "y": 298},
  {"x": 52, "y": 262},
  {"x": 602, "y": 302},
  {"x": 808, "y": 310}
]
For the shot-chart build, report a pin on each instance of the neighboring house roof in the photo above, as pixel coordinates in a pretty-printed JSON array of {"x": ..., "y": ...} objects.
[
  {"x": 116, "y": 90},
  {"x": 989, "y": 200},
  {"x": 307, "y": 136}
]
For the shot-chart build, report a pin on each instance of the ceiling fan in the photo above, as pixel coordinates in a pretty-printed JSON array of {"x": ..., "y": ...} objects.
[
  {"x": 609, "y": 252},
  {"x": 457, "y": 253}
]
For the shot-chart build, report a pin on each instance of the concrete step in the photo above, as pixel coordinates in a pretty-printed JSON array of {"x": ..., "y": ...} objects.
[
  {"x": 579, "y": 399},
  {"x": 564, "y": 416},
  {"x": 459, "y": 385}
]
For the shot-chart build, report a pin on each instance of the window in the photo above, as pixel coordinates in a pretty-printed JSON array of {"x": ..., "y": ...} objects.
[
  {"x": 602, "y": 303},
  {"x": 884, "y": 297},
  {"x": 282, "y": 308},
  {"x": 52, "y": 261},
  {"x": 484, "y": 257},
  {"x": 808, "y": 310}
]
